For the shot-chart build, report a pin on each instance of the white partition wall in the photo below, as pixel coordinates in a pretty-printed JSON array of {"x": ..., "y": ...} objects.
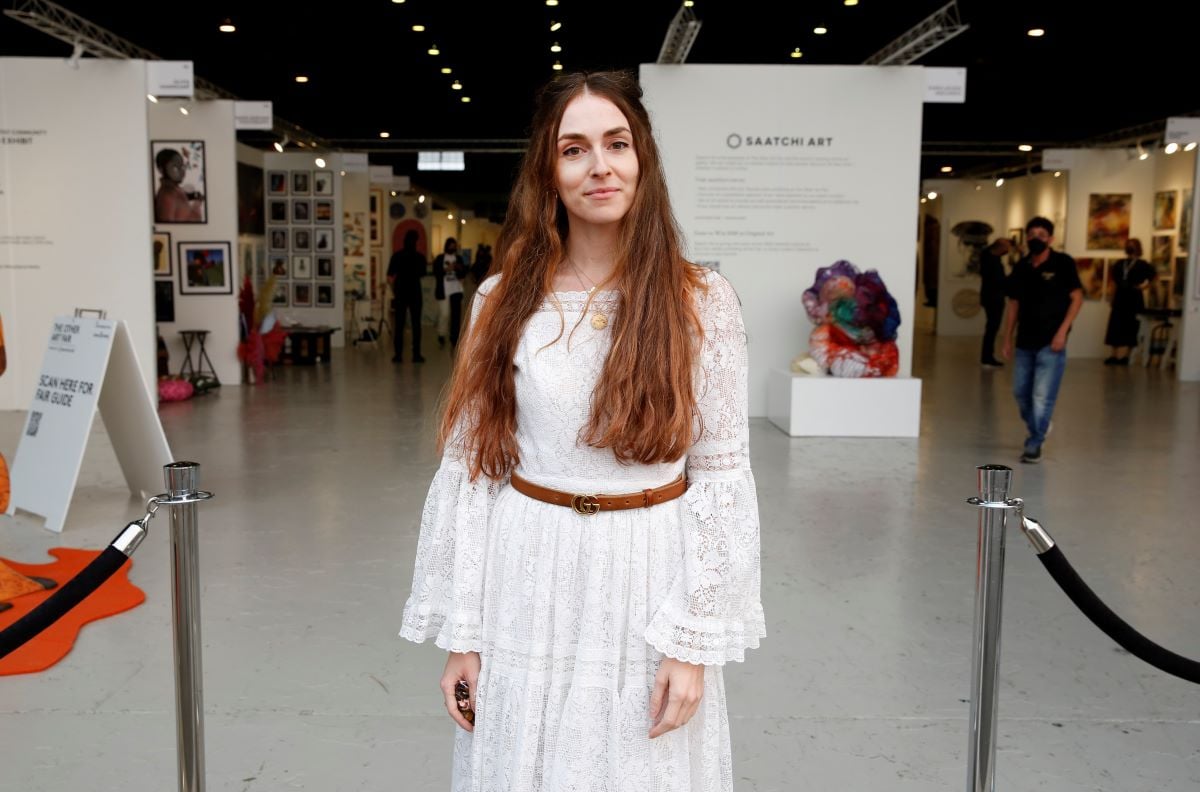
[
  {"x": 74, "y": 206},
  {"x": 212, "y": 308},
  {"x": 775, "y": 171}
]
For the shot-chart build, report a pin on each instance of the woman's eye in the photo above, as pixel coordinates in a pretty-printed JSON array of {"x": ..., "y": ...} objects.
[
  {"x": 620, "y": 144},
  {"x": 572, "y": 151}
]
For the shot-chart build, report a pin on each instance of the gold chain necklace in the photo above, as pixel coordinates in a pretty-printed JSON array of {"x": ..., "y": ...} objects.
[{"x": 599, "y": 319}]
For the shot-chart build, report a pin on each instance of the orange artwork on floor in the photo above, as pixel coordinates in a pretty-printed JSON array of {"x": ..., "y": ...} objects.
[{"x": 116, "y": 595}]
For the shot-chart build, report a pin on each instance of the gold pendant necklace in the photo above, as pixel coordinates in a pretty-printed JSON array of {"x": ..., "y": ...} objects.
[{"x": 599, "y": 320}]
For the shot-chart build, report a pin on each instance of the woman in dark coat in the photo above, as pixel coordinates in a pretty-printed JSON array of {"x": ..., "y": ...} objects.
[{"x": 1131, "y": 277}]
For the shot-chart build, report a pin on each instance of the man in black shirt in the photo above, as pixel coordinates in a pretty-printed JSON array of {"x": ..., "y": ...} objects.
[
  {"x": 991, "y": 297},
  {"x": 405, "y": 270},
  {"x": 1045, "y": 296}
]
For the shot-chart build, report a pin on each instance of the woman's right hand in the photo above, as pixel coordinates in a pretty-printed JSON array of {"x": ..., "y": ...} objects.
[{"x": 460, "y": 665}]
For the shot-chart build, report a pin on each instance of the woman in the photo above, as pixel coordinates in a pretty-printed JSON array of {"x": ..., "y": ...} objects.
[
  {"x": 591, "y": 629},
  {"x": 1130, "y": 277},
  {"x": 449, "y": 269}
]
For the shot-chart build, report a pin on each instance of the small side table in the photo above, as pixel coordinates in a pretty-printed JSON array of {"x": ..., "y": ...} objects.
[{"x": 203, "y": 368}]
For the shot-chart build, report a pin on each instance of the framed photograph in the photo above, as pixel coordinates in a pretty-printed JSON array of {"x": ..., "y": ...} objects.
[
  {"x": 323, "y": 183},
  {"x": 162, "y": 254},
  {"x": 1185, "y": 220},
  {"x": 376, "y": 266},
  {"x": 277, "y": 183},
  {"x": 164, "y": 301},
  {"x": 280, "y": 295},
  {"x": 324, "y": 267},
  {"x": 323, "y": 240},
  {"x": 323, "y": 212},
  {"x": 301, "y": 211},
  {"x": 205, "y": 268},
  {"x": 301, "y": 267},
  {"x": 1166, "y": 210},
  {"x": 300, "y": 183},
  {"x": 376, "y": 210},
  {"x": 325, "y": 295},
  {"x": 302, "y": 294},
  {"x": 1108, "y": 220},
  {"x": 179, "y": 190},
  {"x": 279, "y": 265},
  {"x": 301, "y": 239},
  {"x": 277, "y": 211},
  {"x": 1162, "y": 251},
  {"x": 278, "y": 241},
  {"x": 1091, "y": 275}
]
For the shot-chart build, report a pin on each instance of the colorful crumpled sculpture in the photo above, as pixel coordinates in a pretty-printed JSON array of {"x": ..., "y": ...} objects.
[{"x": 855, "y": 321}]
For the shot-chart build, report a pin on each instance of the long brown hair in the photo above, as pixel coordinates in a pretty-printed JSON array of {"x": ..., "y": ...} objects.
[{"x": 643, "y": 405}]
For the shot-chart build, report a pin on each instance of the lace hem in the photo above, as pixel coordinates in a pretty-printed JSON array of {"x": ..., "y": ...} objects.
[
  {"x": 669, "y": 633},
  {"x": 458, "y": 634}
]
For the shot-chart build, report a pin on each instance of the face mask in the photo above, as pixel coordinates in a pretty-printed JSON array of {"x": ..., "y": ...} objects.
[{"x": 1037, "y": 246}]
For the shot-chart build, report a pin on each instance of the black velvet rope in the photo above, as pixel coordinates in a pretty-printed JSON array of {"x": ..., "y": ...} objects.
[
  {"x": 1113, "y": 625},
  {"x": 56, "y": 606}
]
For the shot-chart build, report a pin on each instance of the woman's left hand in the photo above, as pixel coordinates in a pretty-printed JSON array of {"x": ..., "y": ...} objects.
[{"x": 678, "y": 688}]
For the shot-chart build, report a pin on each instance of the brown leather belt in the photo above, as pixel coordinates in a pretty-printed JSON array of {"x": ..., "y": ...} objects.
[{"x": 588, "y": 505}]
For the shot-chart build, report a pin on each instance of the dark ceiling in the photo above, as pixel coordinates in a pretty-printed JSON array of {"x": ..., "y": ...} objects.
[{"x": 1094, "y": 72}]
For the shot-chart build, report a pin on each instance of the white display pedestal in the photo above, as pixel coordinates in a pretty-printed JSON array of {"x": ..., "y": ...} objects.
[{"x": 803, "y": 405}]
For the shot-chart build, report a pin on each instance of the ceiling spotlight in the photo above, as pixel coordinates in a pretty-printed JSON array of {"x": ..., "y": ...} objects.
[
  {"x": 555, "y": 26},
  {"x": 456, "y": 85},
  {"x": 1190, "y": 146},
  {"x": 557, "y": 66},
  {"x": 320, "y": 162},
  {"x": 1171, "y": 148},
  {"x": 418, "y": 28},
  {"x": 932, "y": 196},
  {"x": 947, "y": 169},
  {"x": 393, "y": 193},
  {"x": 445, "y": 70},
  {"x": 300, "y": 78},
  {"x": 183, "y": 110},
  {"x": 1036, "y": 32},
  {"x": 978, "y": 187},
  {"x": 1057, "y": 174},
  {"x": 796, "y": 53},
  {"x": 152, "y": 98},
  {"x": 689, "y": 3},
  {"x": 421, "y": 198},
  {"x": 850, "y": 2},
  {"x": 923, "y": 200},
  {"x": 397, "y": 2},
  {"x": 820, "y": 31},
  {"x": 1000, "y": 182},
  {"x": 278, "y": 146},
  {"x": 1145, "y": 155},
  {"x": 343, "y": 173},
  {"x": 1024, "y": 147},
  {"x": 227, "y": 26},
  {"x": 463, "y": 221},
  {"x": 450, "y": 216},
  {"x": 466, "y": 99},
  {"x": 434, "y": 50},
  {"x": 551, "y": 2},
  {"x": 555, "y": 48},
  {"x": 385, "y": 134}
]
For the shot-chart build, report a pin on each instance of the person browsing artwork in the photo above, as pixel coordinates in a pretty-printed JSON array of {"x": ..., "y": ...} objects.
[{"x": 589, "y": 545}]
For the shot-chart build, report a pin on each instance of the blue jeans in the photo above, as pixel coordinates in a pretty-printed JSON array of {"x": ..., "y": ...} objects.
[{"x": 1037, "y": 373}]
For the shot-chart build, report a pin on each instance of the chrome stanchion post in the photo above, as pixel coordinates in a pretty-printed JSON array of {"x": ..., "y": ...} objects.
[
  {"x": 182, "y": 480},
  {"x": 994, "y": 484}
]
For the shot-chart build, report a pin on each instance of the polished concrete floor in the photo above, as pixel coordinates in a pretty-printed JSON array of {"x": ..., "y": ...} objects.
[{"x": 868, "y": 575}]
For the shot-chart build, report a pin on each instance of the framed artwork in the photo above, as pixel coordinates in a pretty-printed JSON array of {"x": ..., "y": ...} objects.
[
  {"x": 1162, "y": 250},
  {"x": 164, "y": 301},
  {"x": 277, "y": 211},
  {"x": 1091, "y": 275},
  {"x": 1016, "y": 236},
  {"x": 280, "y": 295},
  {"x": 354, "y": 232},
  {"x": 325, "y": 267},
  {"x": 277, "y": 183},
  {"x": 279, "y": 266},
  {"x": 302, "y": 267},
  {"x": 323, "y": 240},
  {"x": 325, "y": 295},
  {"x": 179, "y": 191},
  {"x": 323, "y": 212},
  {"x": 278, "y": 239},
  {"x": 300, "y": 183},
  {"x": 1166, "y": 212},
  {"x": 376, "y": 211},
  {"x": 162, "y": 254},
  {"x": 301, "y": 239},
  {"x": 301, "y": 211},
  {"x": 205, "y": 268},
  {"x": 323, "y": 182},
  {"x": 376, "y": 258},
  {"x": 1108, "y": 220},
  {"x": 1180, "y": 276},
  {"x": 1185, "y": 220},
  {"x": 302, "y": 294}
]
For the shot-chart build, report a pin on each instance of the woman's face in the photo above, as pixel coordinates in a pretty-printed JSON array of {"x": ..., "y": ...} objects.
[{"x": 596, "y": 168}]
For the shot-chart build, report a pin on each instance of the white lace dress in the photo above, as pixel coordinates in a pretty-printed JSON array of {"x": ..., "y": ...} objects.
[{"x": 572, "y": 614}]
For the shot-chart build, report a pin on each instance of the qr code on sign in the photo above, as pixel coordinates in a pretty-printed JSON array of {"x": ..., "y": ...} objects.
[{"x": 35, "y": 420}]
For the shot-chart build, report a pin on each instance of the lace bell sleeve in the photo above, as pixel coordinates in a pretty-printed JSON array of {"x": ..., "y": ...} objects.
[
  {"x": 713, "y": 611},
  {"x": 446, "y": 603}
]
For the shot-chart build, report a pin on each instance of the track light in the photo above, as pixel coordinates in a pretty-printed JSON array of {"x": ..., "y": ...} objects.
[
  {"x": 552, "y": 3},
  {"x": 1190, "y": 146},
  {"x": 421, "y": 198},
  {"x": 947, "y": 169},
  {"x": 434, "y": 50},
  {"x": 554, "y": 26},
  {"x": 183, "y": 109},
  {"x": 820, "y": 31},
  {"x": 796, "y": 53},
  {"x": 932, "y": 196},
  {"x": 1000, "y": 182},
  {"x": 301, "y": 78},
  {"x": 418, "y": 28},
  {"x": 1057, "y": 174},
  {"x": 1171, "y": 148},
  {"x": 76, "y": 54},
  {"x": 456, "y": 85},
  {"x": 393, "y": 193},
  {"x": 555, "y": 47},
  {"x": 557, "y": 66},
  {"x": 450, "y": 216},
  {"x": 1143, "y": 155},
  {"x": 466, "y": 99},
  {"x": 385, "y": 135},
  {"x": 152, "y": 98},
  {"x": 1024, "y": 147},
  {"x": 227, "y": 26},
  {"x": 319, "y": 162},
  {"x": 446, "y": 70},
  {"x": 1036, "y": 32},
  {"x": 923, "y": 200}
]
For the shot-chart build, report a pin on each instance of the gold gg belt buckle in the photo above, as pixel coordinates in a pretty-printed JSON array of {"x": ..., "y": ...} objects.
[{"x": 587, "y": 505}]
